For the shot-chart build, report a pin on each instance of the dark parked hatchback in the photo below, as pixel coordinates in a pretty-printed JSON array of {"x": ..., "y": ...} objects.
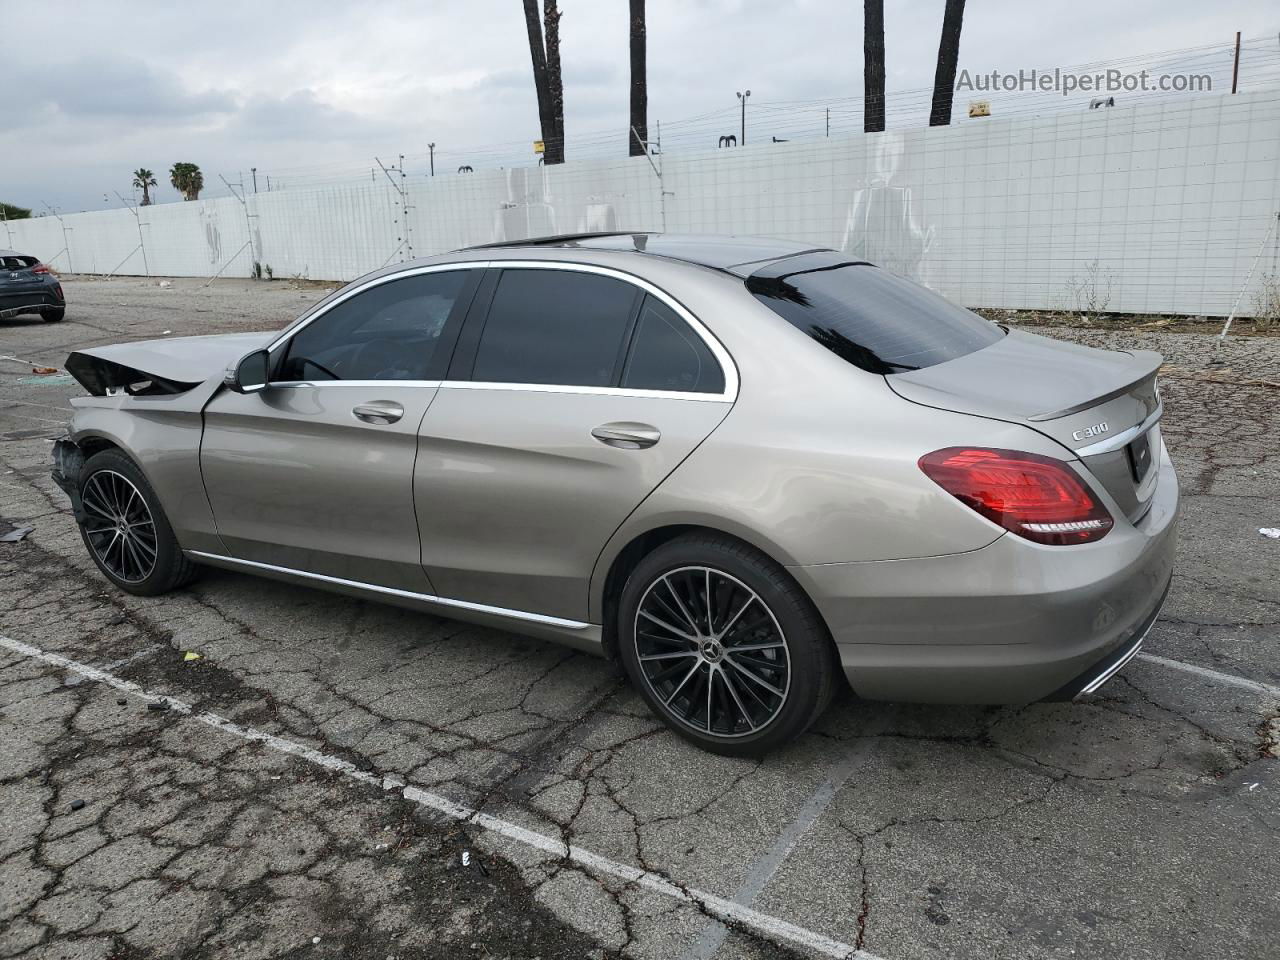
[{"x": 29, "y": 286}]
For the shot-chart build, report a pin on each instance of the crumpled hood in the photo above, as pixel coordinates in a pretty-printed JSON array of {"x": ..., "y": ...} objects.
[{"x": 178, "y": 363}]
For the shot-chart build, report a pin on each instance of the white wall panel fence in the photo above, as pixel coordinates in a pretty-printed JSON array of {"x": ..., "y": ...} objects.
[{"x": 1159, "y": 208}]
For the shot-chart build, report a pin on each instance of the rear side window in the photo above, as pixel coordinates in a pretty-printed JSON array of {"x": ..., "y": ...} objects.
[
  {"x": 555, "y": 327},
  {"x": 873, "y": 319},
  {"x": 667, "y": 355}
]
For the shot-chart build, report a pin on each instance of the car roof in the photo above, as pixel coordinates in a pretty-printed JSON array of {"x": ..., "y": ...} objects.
[{"x": 733, "y": 254}]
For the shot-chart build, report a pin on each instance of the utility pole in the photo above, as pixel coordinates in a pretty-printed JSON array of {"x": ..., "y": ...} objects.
[
  {"x": 742, "y": 98},
  {"x": 254, "y": 171},
  {"x": 828, "y": 121},
  {"x": 432, "y": 148},
  {"x": 1235, "y": 67}
]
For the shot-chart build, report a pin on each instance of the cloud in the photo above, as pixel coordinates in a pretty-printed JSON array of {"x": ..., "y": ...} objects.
[
  {"x": 98, "y": 87},
  {"x": 295, "y": 85},
  {"x": 300, "y": 115}
]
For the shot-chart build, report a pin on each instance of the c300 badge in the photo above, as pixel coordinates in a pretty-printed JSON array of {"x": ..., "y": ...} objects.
[{"x": 1097, "y": 430}]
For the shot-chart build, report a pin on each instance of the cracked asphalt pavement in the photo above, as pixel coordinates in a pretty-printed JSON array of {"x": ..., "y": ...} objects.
[{"x": 310, "y": 784}]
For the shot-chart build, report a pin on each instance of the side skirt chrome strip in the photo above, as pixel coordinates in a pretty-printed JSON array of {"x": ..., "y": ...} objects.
[{"x": 392, "y": 591}]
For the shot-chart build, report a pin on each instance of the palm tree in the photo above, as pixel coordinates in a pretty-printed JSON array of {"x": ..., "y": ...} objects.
[
  {"x": 546, "y": 76},
  {"x": 639, "y": 132},
  {"x": 144, "y": 180},
  {"x": 187, "y": 180},
  {"x": 944, "y": 78},
  {"x": 872, "y": 65}
]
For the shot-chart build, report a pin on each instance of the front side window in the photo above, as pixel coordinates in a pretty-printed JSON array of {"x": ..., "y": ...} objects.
[
  {"x": 867, "y": 316},
  {"x": 666, "y": 354},
  {"x": 555, "y": 327},
  {"x": 389, "y": 332}
]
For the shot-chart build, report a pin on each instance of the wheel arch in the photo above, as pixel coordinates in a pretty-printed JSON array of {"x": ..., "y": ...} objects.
[
  {"x": 94, "y": 441},
  {"x": 165, "y": 450},
  {"x": 624, "y": 553}
]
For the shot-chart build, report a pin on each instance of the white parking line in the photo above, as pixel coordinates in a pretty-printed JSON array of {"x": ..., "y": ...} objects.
[
  {"x": 732, "y": 911},
  {"x": 762, "y": 870},
  {"x": 1227, "y": 678},
  {"x": 117, "y": 664},
  {"x": 735, "y": 913}
]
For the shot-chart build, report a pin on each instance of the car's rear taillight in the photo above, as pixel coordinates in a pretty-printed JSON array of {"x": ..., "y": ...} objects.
[
  {"x": 1035, "y": 497},
  {"x": 40, "y": 268}
]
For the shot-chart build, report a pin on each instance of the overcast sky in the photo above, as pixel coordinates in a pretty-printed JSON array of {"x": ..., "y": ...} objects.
[{"x": 304, "y": 89}]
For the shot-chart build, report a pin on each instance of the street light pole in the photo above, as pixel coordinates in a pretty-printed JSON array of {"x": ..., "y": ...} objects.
[{"x": 742, "y": 98}]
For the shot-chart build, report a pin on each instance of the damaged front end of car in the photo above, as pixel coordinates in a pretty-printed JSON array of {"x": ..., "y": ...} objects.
[
  {"x": 167, "y": 381},
  {"x": 68, "y": 459}
]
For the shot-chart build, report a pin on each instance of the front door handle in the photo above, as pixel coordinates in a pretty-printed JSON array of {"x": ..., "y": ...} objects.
[
  {"x": 627, "y": 435},
  {"x": 378, "y": 411}
]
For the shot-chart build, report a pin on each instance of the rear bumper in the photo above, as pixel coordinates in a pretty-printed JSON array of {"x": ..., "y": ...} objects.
[
  {"x": 1013, "y": 622},
  {"x": 1106, "y": 668},
  {"x": 24, "y": 301}
]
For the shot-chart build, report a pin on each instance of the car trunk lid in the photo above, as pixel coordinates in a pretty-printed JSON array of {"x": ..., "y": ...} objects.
[{"x": 1100, "y": 404}]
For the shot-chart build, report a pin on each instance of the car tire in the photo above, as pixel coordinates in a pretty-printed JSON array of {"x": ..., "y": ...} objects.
[
  {"x": 679, "y": 661},
  {"x": 52, "y": 314},
  {"x": 125, "y": 529}
]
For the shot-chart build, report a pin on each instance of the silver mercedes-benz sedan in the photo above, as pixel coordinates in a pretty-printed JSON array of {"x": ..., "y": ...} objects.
[{"x": 744, "y": 468}]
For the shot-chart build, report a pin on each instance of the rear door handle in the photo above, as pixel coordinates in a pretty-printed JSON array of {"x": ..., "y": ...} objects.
[
  {"x": 378, "y": 411},
  {"x": 627, "y": 435}
]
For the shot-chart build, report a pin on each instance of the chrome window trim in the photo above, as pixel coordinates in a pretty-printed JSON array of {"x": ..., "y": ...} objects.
[
  {"x": 301, "y": 324},
  {"x": 394, "y": 592},
  {"x": 593, "y": 391},
  {"x": 356, "y": 383},
  {"x": 1124, "y": 437},
  {"x": 722, "y": 355}
]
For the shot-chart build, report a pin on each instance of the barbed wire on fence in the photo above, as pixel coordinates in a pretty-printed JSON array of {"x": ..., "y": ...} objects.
[
  {"x": 816, "y": 118},
  {"x": 1160, "y": 205}
]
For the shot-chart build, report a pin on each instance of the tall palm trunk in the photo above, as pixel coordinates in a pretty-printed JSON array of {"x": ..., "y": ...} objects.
[
  {"x": 944, "y": 78},
  {"x": 872, "y": 65},
  {"x": 638, "y": 135},
  {"x": 555, "y": 88},
  {"x": 146, "y": 195},
  {"x": 538, "y": 54}
]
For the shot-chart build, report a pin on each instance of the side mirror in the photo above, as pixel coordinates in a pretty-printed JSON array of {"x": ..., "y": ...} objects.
[{"x": 250, "y": 374}]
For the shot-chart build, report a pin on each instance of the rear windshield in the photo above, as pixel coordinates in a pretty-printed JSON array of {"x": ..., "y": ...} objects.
[
  {"x": 16, "y": 262},
  {"x": 873, "y": 319}
]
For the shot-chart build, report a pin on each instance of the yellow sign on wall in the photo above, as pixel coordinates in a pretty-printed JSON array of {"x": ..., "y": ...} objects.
[{"x": 538, "y": 146}]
